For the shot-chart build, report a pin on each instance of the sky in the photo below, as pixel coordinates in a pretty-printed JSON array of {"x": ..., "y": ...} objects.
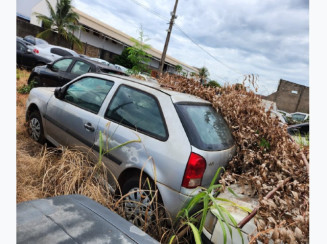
[{"x": 267, "y": 38}]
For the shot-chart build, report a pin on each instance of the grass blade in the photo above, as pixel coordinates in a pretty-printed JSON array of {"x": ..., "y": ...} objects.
[
  {"x": 196, "y": 199},
  {"x": 231, "y": 191},
  {"x": 222, "y": 225},
  {"x": 233, "y": 221},
  {"x": 245, "y": 209},
  {"x": 218, "y": 207},
  {"x": 216, "y": 176},
  {"x": 196, "y": 233},
  {"x": 204, "y": 214},
  {"x": 172, "y": 239}
]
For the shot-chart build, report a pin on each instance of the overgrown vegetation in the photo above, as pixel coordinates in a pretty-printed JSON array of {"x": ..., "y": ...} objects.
[
  {"x": 212, "y": 83},
  {"x": 137, "y": 54},
  {"x": 265, "y": 158}
]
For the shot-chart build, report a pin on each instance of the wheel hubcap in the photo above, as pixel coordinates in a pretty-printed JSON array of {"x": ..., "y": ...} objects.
[
  {"x": 35, "y": 128},
  {"x": 137, "y": 206}
]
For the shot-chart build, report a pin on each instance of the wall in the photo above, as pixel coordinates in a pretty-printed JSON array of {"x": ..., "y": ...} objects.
[
  {"x": 24, "y": 28},
  {"x": 291, "y": 97}
]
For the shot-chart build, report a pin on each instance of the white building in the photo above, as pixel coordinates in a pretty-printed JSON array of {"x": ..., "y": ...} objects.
[{"x": 108, "y": 39}]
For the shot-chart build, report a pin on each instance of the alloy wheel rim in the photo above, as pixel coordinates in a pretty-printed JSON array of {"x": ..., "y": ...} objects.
[
  {"x": 35, "y": 127},
  {"x": 137, "y": 206}
]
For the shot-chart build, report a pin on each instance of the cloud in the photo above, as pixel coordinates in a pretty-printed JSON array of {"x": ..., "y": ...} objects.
[{"x": 268, "y": 38}]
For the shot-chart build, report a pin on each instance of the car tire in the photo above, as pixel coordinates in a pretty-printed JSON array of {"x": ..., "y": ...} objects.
[
  {"x": 35, "y": 127},
  {"x": 138, "y": 202}
]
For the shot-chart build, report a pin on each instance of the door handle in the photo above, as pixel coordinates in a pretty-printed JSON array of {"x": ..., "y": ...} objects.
[{"x": 89, "y": 127}]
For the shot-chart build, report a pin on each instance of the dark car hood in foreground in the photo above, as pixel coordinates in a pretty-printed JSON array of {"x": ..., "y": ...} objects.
[{"x": 74, "y": 219}]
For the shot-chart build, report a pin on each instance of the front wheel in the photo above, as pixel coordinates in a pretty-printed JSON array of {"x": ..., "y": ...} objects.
[{"x": 35, "y": 127}]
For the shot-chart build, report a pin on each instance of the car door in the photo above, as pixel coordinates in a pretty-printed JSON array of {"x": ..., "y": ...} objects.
[
  {"x": 132, "y": 115},
  {"x": 53, "y": 74},
  {"x": 78, "y": 68},
  {"x": 73, "y": 119}
]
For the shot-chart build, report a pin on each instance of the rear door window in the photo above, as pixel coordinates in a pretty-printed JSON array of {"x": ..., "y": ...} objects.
[
  {"x": 205, "y": 128},
  {"x": 80, "y": 68},
  {"x": 62, "y": 64},
  {"x": 137, "y": 110}
]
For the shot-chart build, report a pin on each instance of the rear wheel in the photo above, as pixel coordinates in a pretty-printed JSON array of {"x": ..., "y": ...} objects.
[
  {"x": 35, "y": 127},
  {"x": 138, "y": 205}
]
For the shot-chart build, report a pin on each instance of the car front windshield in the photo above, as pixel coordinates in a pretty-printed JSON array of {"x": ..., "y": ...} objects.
[{"x": 205, "y": 128}]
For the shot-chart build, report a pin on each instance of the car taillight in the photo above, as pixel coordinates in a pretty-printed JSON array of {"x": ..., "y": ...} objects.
[
  {"x": 35, "y": 50},
  {"x": 194, "y": 171}
]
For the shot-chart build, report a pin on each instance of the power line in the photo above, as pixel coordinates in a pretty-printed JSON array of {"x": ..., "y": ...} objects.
[{"x": 187, "y": 36}]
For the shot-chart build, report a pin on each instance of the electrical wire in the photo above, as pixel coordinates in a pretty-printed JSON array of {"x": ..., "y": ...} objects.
[{"x": 187, "y": 36}]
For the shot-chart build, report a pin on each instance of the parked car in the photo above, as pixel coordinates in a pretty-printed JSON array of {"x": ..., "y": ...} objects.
[
  {"x": 53, "y": 52},
  {"x": 101, "y": 61},
  {"x": 300, "y": 117},
  {"x": 122, "y": 68},
  {"x": 35, "y": 41},
  {"x": 26, "y": 57},
  {"x": 73, "y": 219},
  {"x": 187, "y": 139},
  {"x": 300, "y": 133},
  {"x": 65, "y": 69}
]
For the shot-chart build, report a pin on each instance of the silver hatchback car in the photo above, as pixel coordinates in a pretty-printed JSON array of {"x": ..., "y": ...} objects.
[{"x": 184, "y": 136}]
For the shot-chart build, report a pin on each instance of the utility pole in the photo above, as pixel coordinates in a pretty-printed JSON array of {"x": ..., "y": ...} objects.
[{"x": 163, "y": 56}]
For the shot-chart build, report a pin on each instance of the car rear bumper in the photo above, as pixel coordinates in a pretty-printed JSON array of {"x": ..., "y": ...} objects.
[{"x": 174, "y": 200}]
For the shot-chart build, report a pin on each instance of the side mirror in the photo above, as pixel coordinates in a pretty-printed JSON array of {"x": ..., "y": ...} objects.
[{"x": 58, "y": 93}]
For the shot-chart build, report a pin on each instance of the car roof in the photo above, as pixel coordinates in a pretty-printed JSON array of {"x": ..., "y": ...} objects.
[
  {"x": 177, "y": 97},
  {"x": 74, "y": 219},
  {"x": 20, "y": 39}
]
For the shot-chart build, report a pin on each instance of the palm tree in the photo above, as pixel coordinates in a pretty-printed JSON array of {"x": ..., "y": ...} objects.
[
  {"x": 203, "y": 74},
  {"x": 178, "y": 68},
  {"x": 62, "y": 20}
]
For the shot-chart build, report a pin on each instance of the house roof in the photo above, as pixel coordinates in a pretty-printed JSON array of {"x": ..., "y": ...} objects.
[{"x": 123, "y": 38}]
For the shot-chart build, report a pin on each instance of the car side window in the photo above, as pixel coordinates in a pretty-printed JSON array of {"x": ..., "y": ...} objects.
[
  {"x": 60, "y": 52},
  {"x": 80, "y": 68},
  {"x": 88, "y": 93},
  {"x": 21, "y": 47},
  {"x": 62, "y": 64},
  {"x": 298, "y": 117},
  {"x": 138, "y": 110}
]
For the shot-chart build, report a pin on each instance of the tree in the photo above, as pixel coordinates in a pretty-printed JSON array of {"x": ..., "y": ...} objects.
[
  {"x": 178, "y": 68},
  {"x": 137, "y": 54},
  {"x": 123, "y": 60},
  {"x": 213, "y": 83},
  {"x": 62, "y": 20},
  {"x": 203, "y": 74}
]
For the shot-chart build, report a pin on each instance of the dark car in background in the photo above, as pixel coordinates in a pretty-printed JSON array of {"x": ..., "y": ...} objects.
[
  {"x": 26, "y": 56},
  {"x": 65, "y": 69},
  {"x": 34, "y": 40}
]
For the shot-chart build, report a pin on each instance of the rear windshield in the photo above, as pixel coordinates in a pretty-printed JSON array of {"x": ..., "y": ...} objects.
[
  {"x": 205, "y": 128},
  {"x": 60, "y": 52}
]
